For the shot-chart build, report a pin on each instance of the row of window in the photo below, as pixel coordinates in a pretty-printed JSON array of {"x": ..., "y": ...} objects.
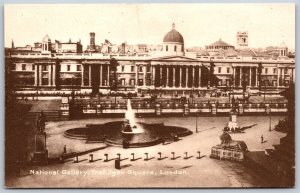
[
  {"x": 24, "y": 67},
  {"x": 132, "y": 69},
  {"x": 175, "y": 48},
  {"x": 266, "y": 70},
  {"x": 275, "y": 70},
  {"x": 220, "y": 70}
]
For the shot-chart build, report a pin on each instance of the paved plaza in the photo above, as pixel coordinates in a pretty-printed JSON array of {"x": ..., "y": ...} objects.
[{"x": 191, "y": 172}]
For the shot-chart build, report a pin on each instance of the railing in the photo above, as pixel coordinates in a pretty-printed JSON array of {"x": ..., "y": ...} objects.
[{"x": 178, "y": 107}]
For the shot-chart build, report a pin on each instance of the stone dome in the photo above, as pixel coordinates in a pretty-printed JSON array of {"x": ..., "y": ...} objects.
[
  {"x": 46, "y": 39},
  {"x": 173, "y": 36}
]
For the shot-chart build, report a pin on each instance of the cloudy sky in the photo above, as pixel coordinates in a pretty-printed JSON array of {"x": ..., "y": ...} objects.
[{"x": 200, "y": 24}]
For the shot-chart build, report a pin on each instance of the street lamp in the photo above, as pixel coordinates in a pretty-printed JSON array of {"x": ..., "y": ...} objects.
[
  {"x": 270, "y": 126},
  {"x": 266, "y": 81},
  {"x": 230, "y": 90},
  {"x": 197, "y": 120}
]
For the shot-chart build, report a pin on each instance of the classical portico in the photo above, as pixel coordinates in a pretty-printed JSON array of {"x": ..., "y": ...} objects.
[
  {"x": 245, "y": 72},
  {"x": 176, "y": 72}
]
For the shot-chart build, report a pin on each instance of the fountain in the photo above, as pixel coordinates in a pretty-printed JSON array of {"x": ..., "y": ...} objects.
[
  {"x": 130, "y": 126},
  {"x": 127, "y": 133}
]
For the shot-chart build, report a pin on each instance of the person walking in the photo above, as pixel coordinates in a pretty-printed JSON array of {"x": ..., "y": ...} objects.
[
  {"x": 65, "y": 150},
  {"x": 262, "y": 138}
]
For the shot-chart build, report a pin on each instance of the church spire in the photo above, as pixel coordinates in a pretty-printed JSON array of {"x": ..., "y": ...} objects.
[{"x": 12, "y": 44}]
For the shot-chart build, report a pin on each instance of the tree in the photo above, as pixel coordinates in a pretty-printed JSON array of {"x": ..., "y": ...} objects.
[
  {"x": 57, "y": 74},
  {"x": 212, "y": 78},
  {"x": 113, "y": 66},
  {"x": 114, "y": 80},
  {"x": 259, "y": 75}
]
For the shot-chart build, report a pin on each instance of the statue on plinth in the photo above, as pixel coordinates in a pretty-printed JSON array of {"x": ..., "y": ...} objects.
[
  {"x": 40, "y": 155},
  {"x": 232, "y": 124}
]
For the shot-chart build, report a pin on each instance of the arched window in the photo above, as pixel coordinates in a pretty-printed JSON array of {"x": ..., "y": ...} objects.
[
  {"x": 45, "y": 46},
  {"x": 182, "y": 48},
  {"x": 166, "y": 47},
  {"x": 175, "y": 48}
]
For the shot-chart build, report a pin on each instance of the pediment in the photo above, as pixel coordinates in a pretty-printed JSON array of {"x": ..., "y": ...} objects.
[{"x": 175, "y": 58}]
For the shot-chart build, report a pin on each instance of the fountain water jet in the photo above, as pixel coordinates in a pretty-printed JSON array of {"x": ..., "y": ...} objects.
[{"x": 130, "y": 126}]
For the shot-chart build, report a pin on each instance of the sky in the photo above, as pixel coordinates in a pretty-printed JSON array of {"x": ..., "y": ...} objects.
[{"x": 200, "y": 24}]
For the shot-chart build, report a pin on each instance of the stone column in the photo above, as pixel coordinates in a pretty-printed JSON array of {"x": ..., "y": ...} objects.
[
  {"x": 167, "y": 84},
  {"x": 145, "y": 72},
  {"x": 180, "y": 76},
  {"x": 256, "y": 77},
  {"x": 199, "y": 76},
  {"x": 90, "y": 75},
  {"x": 293, "y": 74},
  {"x": 160, "y": 75},
  {"x": 136, "y": 74},
  {"x": 54, "y": 75},
  {"x": 153, "y": 78},
  {"x": 234, "y": 71},
  {"x": 40, "y": 74},
  {"x": 35, "y": 75},
  {"x": 82, "y": 75},
  {"x": 49, "y": 74},
  {"x": 278, "y": 76},
  {"x": 240, "y": 83},
  {"x": 101, "y": 69},
  {"x": 193, "y": 76},
  {"x": 174, "y": 76},
  {"x": 186, "y": 77},
  {"x": 107, "y": 81},
  {"x": 283, "y": 75},
  {"x": 250, "y": 76}
]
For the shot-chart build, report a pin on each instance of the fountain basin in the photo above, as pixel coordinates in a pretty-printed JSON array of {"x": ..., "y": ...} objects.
[{"x": 111, "y": 133}]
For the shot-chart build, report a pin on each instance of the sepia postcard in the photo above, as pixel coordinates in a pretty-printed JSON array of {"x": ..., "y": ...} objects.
[{"x": 149, "y": 95}]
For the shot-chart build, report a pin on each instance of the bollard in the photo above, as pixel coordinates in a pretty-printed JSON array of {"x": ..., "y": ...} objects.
[
  {"x": 106, "y": 157},
  {"x": 61, "y": 159},
  {"x": 146, "y": 159},
  {"x": 132, "y": 157},
  {"x": 119, "y": 156},
  {"x": 159, "y": 153},
  {"x": 76, "y": 159},
  {"x": 186, "y": 153},
  {"x": 117, "y": 164},
  {"x": 91, "y": 158},
  {"x": 198, "y": 154},
  {"x": 173, "y": 155}
]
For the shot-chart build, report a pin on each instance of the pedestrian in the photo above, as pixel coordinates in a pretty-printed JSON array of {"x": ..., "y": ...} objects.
[
  {"x": 262, "y": 138},
  {"x": 65, "y": 149}
]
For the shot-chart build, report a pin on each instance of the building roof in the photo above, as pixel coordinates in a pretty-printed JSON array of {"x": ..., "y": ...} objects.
[
  {"x": 173, "y": 36},
  {"x": 228, "y": 53},
  {"x": 220, "y": 43},
  {"x": 247, "y": 53}
]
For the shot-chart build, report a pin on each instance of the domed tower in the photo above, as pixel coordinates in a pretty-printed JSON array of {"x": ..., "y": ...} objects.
[
  {"x": 46, "y": 44},
  {"x": 173, "y": 43},
  {"x": 283, "y": 50}
]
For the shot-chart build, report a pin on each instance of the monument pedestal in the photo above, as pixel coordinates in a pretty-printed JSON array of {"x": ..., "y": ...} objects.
[{"x": 40, "y": 155}]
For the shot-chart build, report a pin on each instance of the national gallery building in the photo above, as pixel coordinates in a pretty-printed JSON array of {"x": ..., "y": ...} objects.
[{"x": 171, "y": 69}]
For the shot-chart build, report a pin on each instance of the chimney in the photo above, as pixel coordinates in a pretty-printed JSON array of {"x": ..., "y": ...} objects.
[{"x": 92, "y": 41}]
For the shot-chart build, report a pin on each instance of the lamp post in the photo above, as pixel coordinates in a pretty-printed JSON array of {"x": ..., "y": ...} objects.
[
  {"x": 230, "y": 91},
  {"x": 197, "y": 120},
  {"x": 265, "y": 90},
  {"x": 270, "y": 126}
]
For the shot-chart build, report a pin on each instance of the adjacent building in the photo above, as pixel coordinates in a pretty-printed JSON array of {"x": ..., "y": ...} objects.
[{"x": 167, "y": 69}]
